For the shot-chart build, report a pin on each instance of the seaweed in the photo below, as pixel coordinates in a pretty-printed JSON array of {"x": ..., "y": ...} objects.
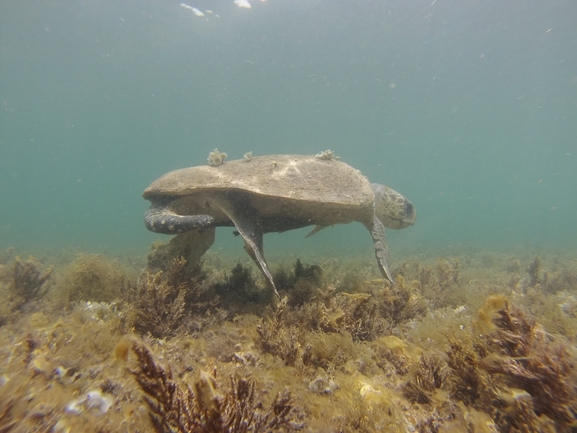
[
  {"x": 28, "y": 280},
  {"x": 240, "y": 288},
  {"x": 529, "y": 360},
  {"x": 533, "y": 273},
  {"x": 356, "y": 313},
  {"x": 160, "y": 307},
  {"x": 93, "y": 277},
  {"x": 6, "y": 255},
  {"x": 436, "y": 284},
  {"x": 301, "y": 283},
  {"x": 176, "y": 407},
  {"x": 307, "y": 279},
  {"x": 431, "y": 375},
  {"x": 162, "y": 301},
  {"x": 444, "y": 417},
  {"x": 467, "y": 380},
  {"x": 513, "y": 266},
  {"x": 562, "y": 279},
  {"x": 520, "y": 417},
  {"x": 448, "y": 272},
  {"x": 6, "y": 417},
  {"x": 308, "y": 272},
  {"x": 360, "y": 361},
  {"x": 323, "y": 331},
  {"x": 240, "y": 277},
  {"x": 278, "y": 339},
  {"x": 483, "y": 323},
  {"x": 280, "y": 335},
  {"x": 402, "y": 302},
  {"x": 363, "y": 316}
]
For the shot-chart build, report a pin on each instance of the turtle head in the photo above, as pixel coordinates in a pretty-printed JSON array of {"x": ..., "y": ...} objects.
[{"x": 394, "y": 210}]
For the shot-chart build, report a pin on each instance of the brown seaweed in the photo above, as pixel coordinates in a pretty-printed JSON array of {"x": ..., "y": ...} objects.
[
  {"x": 162, "y": 302},
  {"x": 278, "y": 339},
  {"x": 467, "y": 379},
  {"x": 28, "y": 280},
  {"x": 533, "y": 272},
  {"x": 529, "y": 360},
  {"x": 435, "y": 283},
  {"x": 239, "y": 288},
  {"x": 176, "y": 407},
  {"x": 431, "y": 375}
]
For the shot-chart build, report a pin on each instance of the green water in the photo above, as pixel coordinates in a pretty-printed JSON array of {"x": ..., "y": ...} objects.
[{"x": 468, "y": 108}]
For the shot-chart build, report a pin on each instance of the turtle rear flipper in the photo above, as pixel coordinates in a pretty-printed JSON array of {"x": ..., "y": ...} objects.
[
  {"x": 161, "y": 219},
  {"x": 377, "y": 230}
]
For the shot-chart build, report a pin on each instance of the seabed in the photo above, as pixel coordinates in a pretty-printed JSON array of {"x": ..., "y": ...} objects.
[{"x": 467, "y": 341}]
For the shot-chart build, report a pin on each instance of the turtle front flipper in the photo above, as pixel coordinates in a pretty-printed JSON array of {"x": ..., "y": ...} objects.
[
  {"x": 377, "y": 230},
  {"x": 248, "y": 224},
  {"x": 161, "y": 219}
]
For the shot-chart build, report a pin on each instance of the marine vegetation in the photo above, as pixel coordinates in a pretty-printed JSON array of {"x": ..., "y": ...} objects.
[
  {"x": 459, "y": 343},
  {"x": 431, "y": 375},
  {"x": 436, "y": 283},
  {"x": 291, "y": 333},
  {"x": 209, "y": 407},
  {"x": 529, "y": 359},
  {"x": 93, "y": 277},
  {"x": 301, "y": 283},
  {"x": 27, "y": 280},
  {"x": 533, "y": 273},
  {"x": 162, "y": 303},
  {"x": 239, "y": 288}
]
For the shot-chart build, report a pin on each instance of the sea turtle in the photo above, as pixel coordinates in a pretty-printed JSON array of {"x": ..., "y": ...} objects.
[{"x": 275, "y": 193}]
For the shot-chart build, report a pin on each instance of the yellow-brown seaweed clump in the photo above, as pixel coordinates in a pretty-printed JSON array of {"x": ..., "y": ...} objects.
[{"x": 93, "y": 277}]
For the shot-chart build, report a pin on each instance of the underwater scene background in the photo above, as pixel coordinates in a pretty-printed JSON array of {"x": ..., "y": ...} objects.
[{"x": 467, "y": 108}]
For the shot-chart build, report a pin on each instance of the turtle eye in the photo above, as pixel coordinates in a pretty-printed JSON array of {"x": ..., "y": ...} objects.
[{"x": 408, "y": 207}]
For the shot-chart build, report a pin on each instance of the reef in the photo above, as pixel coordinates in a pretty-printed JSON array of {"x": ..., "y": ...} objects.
[{"x": 472, "y": 341}]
